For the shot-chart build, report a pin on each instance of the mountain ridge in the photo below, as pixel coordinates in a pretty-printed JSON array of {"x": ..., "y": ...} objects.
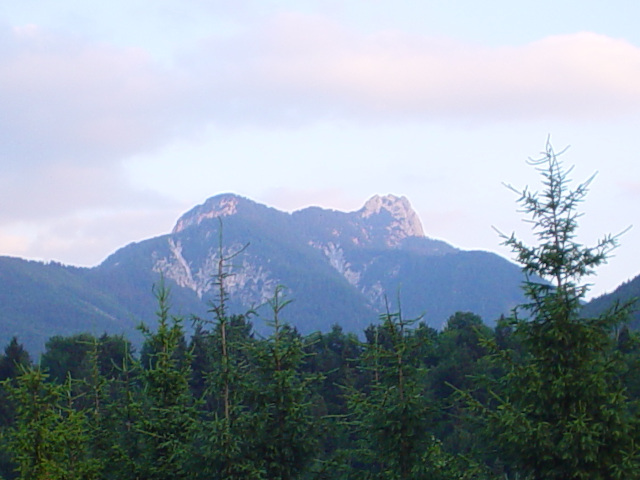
[{"x": 338, "y": 267}]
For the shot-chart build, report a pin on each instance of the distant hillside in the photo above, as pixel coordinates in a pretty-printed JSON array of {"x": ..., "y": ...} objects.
[
  {"x": 38, "y": 300},
  {"x": 337, "y": 267},
  {"x": 624, "y": 293}
]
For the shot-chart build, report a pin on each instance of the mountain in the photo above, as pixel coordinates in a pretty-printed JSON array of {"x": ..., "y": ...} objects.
[
  {"x": 624, "y": 293},
  {"x": 337, "y": 267},
  {"x": 38, "y": 300}
]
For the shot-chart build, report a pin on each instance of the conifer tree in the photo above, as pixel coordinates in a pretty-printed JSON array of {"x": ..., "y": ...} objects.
[
  {"x": 123, "y": 411},
  {"x": 168, "y": 416},
  {"x": 564, "y": 413},
  {"x": 50, "y": 439},
  {"x": 14, "y": 360},
  {"x": 226, "y": 439},
  {"x": 287, "y": 431},
  {"x": 12, "y": 364},
  {"x": 391, "y": 415},
  {"x": 227, "y": 436}
]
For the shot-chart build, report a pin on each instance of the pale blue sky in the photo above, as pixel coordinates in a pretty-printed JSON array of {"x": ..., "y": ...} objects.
[{"x": 119, "y": 116}]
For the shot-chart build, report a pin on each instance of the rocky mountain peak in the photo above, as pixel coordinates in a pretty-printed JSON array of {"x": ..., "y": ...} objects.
[
  {"x": 405, "y": 223},
  {"x": 218, "y": 206}
]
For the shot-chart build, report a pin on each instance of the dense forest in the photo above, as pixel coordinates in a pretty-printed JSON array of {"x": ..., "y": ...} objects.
[{"x": 546, "y": 394}]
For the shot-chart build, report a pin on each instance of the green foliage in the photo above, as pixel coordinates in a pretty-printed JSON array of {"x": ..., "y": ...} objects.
[
  {"x": 391, "y": 416},
  {"x": 226, "y": 440},
  {"x": 564, "y": 413},
  {"x": 50, "y": 440},
  {"x": 66, "y": 356},
  {"x": 12, "y": 364},
  {"x": 112, "y": 350},
  {"x": 333, "y": 355},
  {"x": 14, "y": 360},
  {"x": 167, "y": 421},
  {"x": 120, "y": 441},
  {"x": 461, "y": 364},
  {"x": 285, "y": 424},
  {"x": 460, "y": 350}
]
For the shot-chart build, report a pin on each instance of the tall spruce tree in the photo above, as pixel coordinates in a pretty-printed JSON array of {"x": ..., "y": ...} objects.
[
  {"x": 563, "y": 412},
  {"x": 226, "y": 439}
]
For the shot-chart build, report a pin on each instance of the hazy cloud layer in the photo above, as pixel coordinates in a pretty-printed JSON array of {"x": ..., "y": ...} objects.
[
  {"x": 54, "y": 189},
  {"x": 300, "y": 68},
  {"x": 69, "y": 100},
  {"x": 80, "y": 239}
]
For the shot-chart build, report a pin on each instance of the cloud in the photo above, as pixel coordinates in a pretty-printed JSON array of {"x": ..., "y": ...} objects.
[
  {"x": 69, "y": 100},
  {"x": 299, "y": 67},
  {"x": 11, "y": 242},
  {"x": 72, "y": 111},
  {"x": 86, "y": 239},
  {"x": 57, "y": 189}
]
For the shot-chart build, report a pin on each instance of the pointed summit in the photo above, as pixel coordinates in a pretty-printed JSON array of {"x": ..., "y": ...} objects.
[
  {"x": 219, "y": 206},
  {"x": 405, "y": 221}
]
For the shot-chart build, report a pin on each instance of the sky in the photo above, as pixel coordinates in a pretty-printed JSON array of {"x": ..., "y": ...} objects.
[{"x": 117, "y": 117}]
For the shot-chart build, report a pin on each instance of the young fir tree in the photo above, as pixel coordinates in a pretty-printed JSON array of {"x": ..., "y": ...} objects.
[
  {"x": 286, "y": 429},
  {"x": 125, "y": 446},
  {"x": 168, "y": 418},
  {"x": 226, "y": 441},
  {"x": 391, "y": 415},
  {"x": 564, "y": 413},
  {"x": 50, "y": 439}
]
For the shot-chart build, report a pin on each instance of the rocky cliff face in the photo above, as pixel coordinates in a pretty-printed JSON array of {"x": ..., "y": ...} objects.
[
  {"x": 219, "y": 206},
  {"x": 402, "y": 220},
  {"x": 247, "y": 279}
]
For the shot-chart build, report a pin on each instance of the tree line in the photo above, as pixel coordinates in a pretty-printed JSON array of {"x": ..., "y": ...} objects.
[{"x": 545, "y": 394}]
